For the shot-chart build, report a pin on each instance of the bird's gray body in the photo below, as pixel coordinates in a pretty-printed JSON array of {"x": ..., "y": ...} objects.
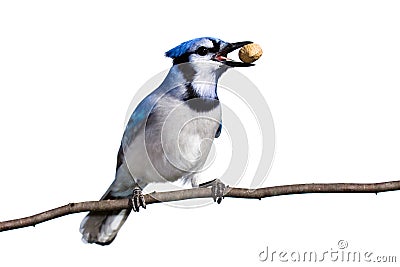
[
  {"x": 173, "y": 142},
  {"x": 168, "y": 136}
]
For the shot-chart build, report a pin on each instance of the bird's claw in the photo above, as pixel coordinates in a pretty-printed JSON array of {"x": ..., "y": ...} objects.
[
  {"x": 138, "y": 199},
  {"x": 217, "y": 189}
]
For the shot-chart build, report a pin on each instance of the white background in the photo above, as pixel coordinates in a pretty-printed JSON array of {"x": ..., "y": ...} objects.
[{"x": 330, "y": 74}]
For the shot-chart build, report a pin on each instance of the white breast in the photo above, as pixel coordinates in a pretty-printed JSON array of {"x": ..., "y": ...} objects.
[{"x": 177, "y": 143}]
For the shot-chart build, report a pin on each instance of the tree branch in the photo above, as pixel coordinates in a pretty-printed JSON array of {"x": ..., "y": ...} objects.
[{"x": 157, "y": 197}]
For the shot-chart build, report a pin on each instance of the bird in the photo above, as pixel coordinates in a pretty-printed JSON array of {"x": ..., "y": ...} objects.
[{"x": 170, "y": 133}]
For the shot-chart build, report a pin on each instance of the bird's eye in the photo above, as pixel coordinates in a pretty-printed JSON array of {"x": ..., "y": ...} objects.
[{"x": 202, "y": 51}]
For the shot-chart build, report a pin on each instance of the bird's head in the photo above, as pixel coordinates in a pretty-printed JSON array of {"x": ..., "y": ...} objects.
[
  {"x": 206, "y": 49},
  {"x": 202, "y": 61}
]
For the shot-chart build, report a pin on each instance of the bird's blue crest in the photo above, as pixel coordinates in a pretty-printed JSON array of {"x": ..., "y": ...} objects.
[{"x": 186, "y": 46}]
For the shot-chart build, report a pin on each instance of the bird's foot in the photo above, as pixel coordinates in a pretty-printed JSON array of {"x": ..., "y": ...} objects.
[
  {"x": 138, "y": 199},
  {"x": 217, "y": 189}
]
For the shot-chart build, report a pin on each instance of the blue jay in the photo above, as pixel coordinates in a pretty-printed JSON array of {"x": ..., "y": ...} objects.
[{"x": 170, "y": 133}]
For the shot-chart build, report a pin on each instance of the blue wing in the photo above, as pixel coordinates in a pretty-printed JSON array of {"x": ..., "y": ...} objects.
[
  {"x": 135, "y": 123},
  {"x": 218, "y": 133},
  {"x": 137, "y": 119}
]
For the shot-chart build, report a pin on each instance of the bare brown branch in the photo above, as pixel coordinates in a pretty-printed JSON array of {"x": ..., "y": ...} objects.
[{"x": 108, "y": 205}]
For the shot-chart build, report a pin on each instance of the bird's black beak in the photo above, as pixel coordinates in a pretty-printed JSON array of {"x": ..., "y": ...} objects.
[{"x": 221, "y": 56}]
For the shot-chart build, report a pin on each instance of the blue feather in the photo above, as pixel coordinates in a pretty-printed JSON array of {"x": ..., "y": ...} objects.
[
  {"x": 186, "y": 47},
  {"x": 138, "y": 118},
  {"x": 218, "y": 133}
]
